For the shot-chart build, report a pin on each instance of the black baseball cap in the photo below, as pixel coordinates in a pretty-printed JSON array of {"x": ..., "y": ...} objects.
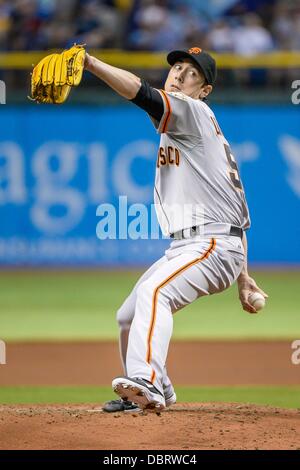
[{"x": 201, "y": 58}]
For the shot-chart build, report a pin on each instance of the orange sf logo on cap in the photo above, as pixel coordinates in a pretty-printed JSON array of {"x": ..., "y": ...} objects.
[{"x": 195, "y": 50}]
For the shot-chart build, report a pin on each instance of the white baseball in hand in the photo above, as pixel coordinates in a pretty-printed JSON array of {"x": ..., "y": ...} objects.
[{"x": 257, "y": 300}]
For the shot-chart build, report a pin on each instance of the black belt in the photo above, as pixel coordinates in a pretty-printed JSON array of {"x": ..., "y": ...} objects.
[
  {"x": 236, "y": 231},
  {"x": 197, "y": 230}
]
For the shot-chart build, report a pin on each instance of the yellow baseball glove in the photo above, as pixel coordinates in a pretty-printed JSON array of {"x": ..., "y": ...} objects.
[{"x": 53, "y": 77}]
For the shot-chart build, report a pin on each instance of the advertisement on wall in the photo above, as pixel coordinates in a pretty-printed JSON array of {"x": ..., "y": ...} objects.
[{"x": 81, "y": 191}]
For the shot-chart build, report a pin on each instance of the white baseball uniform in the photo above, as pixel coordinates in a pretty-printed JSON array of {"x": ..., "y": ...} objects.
[{"x": 199, "y": 197}]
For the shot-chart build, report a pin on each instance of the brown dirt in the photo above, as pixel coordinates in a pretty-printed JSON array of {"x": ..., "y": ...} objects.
[
  {"x": 189, "y": 363},
  {"x": 194, "y": 426}
]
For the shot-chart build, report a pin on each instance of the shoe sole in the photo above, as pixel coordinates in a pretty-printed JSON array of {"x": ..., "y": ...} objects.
[
  {"x": 169, "y": 403},
  {"x": 136, "y": 410},
  {"x": 132, "y": 410},
  {"x": 138, "y": 394}
]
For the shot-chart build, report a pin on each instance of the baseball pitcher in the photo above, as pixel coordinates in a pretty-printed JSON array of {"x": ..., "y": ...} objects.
[{"x": 200, "y": 204}]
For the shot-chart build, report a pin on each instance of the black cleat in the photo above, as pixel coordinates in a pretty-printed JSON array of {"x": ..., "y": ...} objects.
[{"x": 126, "y": 406}]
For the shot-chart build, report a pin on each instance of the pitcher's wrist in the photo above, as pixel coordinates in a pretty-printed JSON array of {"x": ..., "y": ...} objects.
[{"x": 243, "y": 276}]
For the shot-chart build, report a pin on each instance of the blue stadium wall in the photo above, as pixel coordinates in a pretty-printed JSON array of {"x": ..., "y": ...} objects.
[{"x": 58, "y": 164}]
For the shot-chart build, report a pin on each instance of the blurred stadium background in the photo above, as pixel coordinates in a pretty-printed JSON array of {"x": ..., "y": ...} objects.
[{"x": 58, "y": 281}]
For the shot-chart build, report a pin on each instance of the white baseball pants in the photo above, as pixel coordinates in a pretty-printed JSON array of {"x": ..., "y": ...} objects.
[{"x": 191, "y": 268}]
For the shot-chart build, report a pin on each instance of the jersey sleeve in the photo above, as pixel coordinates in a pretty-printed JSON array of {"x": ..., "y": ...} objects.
[
  {"x": 181, "y": 116},
  {"x": 150, "y": 100}
]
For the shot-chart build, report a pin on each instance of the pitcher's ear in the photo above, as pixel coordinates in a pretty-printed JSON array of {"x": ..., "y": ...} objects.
[{"x": 205, "y": 91}]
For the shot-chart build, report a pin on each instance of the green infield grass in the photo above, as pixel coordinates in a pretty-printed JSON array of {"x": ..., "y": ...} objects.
[
  {"x": 81, "y": 305},
  {"x": 284, "y": 397}
]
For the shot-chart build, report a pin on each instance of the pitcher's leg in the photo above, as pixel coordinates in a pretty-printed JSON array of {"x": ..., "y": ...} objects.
[
  {"x": 176, "y": 283},
  {"x": 125, "y": 316},
  {"x": 168, "y": 388},
  {"x": 126, "y": 312},
  {"x": 123, "y": 344},
  {"x": 141, "y": 362}
]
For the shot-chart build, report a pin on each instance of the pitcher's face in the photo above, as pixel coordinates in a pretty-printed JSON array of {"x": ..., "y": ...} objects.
[{"x": 186, "y": 77}]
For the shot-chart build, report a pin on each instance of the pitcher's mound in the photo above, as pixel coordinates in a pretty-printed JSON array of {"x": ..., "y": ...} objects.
[{"x": 184, "y": 426}]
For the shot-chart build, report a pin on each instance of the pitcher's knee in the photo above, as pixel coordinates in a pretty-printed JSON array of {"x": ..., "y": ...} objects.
[
  {"x": 144, "y": 292},
  {"x": 124, "y": 317}
]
